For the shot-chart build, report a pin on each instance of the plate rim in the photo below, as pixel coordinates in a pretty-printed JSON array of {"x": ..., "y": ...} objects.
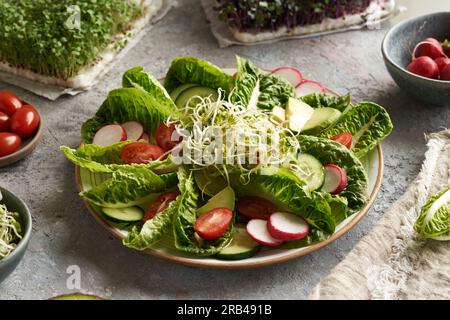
[{"x": 245, "y": 264}]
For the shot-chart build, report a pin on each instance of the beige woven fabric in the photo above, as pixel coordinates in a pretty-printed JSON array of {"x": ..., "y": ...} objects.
[{"x": 391, "y": 262}]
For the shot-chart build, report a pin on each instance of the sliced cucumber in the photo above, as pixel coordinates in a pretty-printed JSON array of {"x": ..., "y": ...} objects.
[
  {"x": 130, "y": 214},
  {"x": 177, "y": 91},
  {"x": 321, "y": 119},
  {"x": 242, "y": 246},
  {"x": 223, "y": 199},
  {"x": 187, "y": 94},
  {"x": 208, "y": 184},
  {"x": 308, "y": 169}
]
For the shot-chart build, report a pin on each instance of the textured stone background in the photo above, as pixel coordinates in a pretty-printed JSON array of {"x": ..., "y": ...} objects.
[{"x": 65, "y": 234}]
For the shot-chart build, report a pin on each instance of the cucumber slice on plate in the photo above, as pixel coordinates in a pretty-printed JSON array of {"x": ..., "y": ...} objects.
[
  {"x": 176, "y": 92},
  {"x": 321, "y": 119},
  {"x": 130, "y": 214},
  {"x": 308, "y": 169},
  {"x": 242, "y": 246},
  {"x": 187, "y": 94}
]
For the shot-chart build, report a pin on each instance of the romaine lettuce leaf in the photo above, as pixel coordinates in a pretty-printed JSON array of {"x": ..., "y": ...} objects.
[
  {"x": 185, "y": 217},
  {"x": 434, "y": 218},
  {"x": 152, "y": 230},
  {"x": 129, "y": 186},
  {"x": 127, "y": 104},
  {"x": 137, "y": 77},
  {"x": 331, "y": 152},
  {"x": 95, "y": 158},
  {"x": 267, "y": 90},
  {"x": 369, "y": 124},
  {"x": 194, "y": 70},
  {"x": 326, "y": 100}
]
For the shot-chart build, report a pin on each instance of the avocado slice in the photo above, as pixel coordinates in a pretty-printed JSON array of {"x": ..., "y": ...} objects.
[
  {"x": 184, "y": 97},
  {"x": 224, "y": 199},
  {"x": 278, "y": 114},
  {"x": 321, "y": 119},
  {"x": 208, "y": 184},
  {"x": 298, "y": 114}
]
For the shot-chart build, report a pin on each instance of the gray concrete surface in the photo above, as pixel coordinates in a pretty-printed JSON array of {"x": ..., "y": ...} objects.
[{"x": 65, "y": 234}]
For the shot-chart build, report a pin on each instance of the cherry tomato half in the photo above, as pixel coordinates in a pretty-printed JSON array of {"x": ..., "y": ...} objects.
[
  {"x": 344, "y": 138},
  {"x": 213, "y": 224},
  {"x": 9, "y": 143},
  {"x": 255, "y": 207},
  {"x": 166, "y": 137},
  {"x": 160, "y": 204},
  {"x": 25, "y": 121},
  {"x": 140, "y": 152},
  {"x": 5, "y": 122},
  {"x": 9, "y": 103}
]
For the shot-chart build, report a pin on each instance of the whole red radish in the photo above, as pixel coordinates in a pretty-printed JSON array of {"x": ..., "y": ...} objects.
[
  {"x": 432, "y": 49},
  {"x": 445, "y": 74},
  {"x": 425, "y": 67},
  {"x": 442, "y": 62},
  {"x": 432, "y": 40}
]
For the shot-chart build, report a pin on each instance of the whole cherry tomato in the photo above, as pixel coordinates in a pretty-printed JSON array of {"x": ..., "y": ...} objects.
[
  {"x": 9, "y": 143},
  {"x": 5, "y": 122},
  {"x": 25, "y": 121},
  {"x": 9, "y": 103}
]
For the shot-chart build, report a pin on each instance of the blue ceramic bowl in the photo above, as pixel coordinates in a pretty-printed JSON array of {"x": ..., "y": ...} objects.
[
  {"x": 14, "y": 204},
  {"x": 397, "y": 49}
]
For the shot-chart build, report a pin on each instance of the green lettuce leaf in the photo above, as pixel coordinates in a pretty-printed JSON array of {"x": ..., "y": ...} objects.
[
  {"x": 137, "y": 77},
  {"x": 256, "y": 86},
  {"x": 185, "y": 217},
  {"x": 152, "y": 230},
  {"x": 95, "y": 158},
  {"x": 331, "y": 152},
  {"x": 325, "y": 100},
  {"x": 129, "y": 186},
  {"x": 128, "y": 104},
  {"x": 434, "y": 218},
  {"x": 369, "y": 124},
  {"x": 185, "y": 70}
]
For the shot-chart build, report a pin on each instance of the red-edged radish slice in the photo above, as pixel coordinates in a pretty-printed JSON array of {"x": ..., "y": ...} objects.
[
  {"x": 287, "y": 226},
  {"x": 290, "y": 74},
  {"x": 109, "y": 134},
  {"x": 309, "y": 87},
  {"x": 134, "y": 130},
  {"x": 335, "y": 179},
  {"x": 145, "y": 137},
  {"x": 257, "y": 229}
]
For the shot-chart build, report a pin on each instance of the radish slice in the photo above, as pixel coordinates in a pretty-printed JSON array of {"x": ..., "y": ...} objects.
[
  {"x": 109, "y": 134},
  {"x": 286, "y": 226},
  {"x": 145, "y": 137},
  {"x": 257, "y": 229},
  {"x": 335, "y": 179},
  {"x": 309, "y": 87},
  {"x": 290, "y": 74},
  {"x": 134, "y": 130}
]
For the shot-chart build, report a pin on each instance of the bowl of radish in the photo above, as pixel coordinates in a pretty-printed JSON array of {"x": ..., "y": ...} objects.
[{"x": 417, "y": 55}]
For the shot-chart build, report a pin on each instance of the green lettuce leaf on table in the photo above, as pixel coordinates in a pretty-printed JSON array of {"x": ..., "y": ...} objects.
[
  {"x": 186, "y": 70},
  {"x": 433, "y": 221},
  {"x": 368, "y": 122},
  {"x": 326, "y": 100},
  {"x": 150, "y": 108},
  {"x": 129, "y": 186},
  {"x": 256, "y": 87},
  {"x": 185, "y": 217},
  {"x": 152, "y": 230}
]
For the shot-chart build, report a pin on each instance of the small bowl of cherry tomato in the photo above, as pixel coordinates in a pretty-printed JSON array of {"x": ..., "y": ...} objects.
[{"x": 21, "y": 128}]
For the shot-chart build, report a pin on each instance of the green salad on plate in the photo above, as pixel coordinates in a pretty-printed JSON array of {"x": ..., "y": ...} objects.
[{"x": 222, "y": 165}]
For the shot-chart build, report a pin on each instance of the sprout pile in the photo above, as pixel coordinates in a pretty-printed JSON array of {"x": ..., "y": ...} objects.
[{"x": 10, "y": 232}]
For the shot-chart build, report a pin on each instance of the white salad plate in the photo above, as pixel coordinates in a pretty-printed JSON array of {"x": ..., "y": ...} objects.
[{"x": 165, "y": 248}]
